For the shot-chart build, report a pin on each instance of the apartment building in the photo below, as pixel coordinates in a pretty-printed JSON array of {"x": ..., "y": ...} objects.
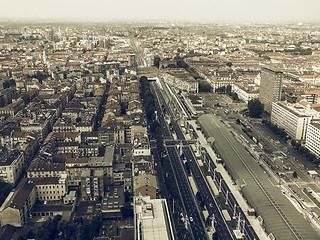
[
  {"x": 293, "y": 118},
  {"x": 313, "y": 137},
  {"x": 246, "y": 92},
  {"x": 11, "y": 166},
  {"x": 50, "y": 188},
  {"x": 180, "y": 79},
  {"x": 42, "y": 170},
  {"x": 16, "y": 209},
  {"x": 270, "y": 86},
  {"x": 145, "y": 185}
]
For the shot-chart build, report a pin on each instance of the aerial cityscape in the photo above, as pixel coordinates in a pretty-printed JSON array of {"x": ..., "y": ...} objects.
[{"x": 159, "y": 129}]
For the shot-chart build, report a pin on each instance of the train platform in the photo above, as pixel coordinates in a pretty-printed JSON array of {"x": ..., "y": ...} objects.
[{"x": 232, "y": 186}]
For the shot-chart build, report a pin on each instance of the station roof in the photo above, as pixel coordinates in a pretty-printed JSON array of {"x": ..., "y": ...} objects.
[{"x": 259, "y": 188}]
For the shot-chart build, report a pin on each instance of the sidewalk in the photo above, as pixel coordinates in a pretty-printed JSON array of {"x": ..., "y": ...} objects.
[{"x": 241, "y": 201}]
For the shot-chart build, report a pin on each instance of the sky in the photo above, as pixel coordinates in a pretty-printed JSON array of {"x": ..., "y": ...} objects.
[{"x": 164, "y": 10}]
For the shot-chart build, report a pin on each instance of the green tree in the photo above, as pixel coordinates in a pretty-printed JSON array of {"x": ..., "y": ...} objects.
[
  {"x": 127, "y": 210},
  {"x": 78, "y": 119},
  {"x": 156, "y": 61},
  {"x": 204, "y": 86},
  {"x": 228, "y": 89},
  {"x": 229, "y": 64},
  {"x": 124, "y": 107},
  {"x": 5, "y": 190},
  {"x": 235, "y": 97},
  {"x": 2, "y": 101},
  {"x": 255, "y": 108},
  {"x": 221, "y": 90}
]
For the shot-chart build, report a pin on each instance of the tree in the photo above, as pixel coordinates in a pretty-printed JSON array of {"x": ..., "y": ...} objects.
[
  {"x": 228, "y": 89},
  {"x": 5, "y": 190},
  {"x": 229, "y": 64},
  {"x": 78, "y": 119},
  {"x": 156, "y": 61},
  {"x": 127, "y": 210},
  {"x": 235, "y": 97},
  {"x": 2, "y": 101},
  {"x": 295, "y": 174},
  {"x": 221, "y": 90},
  {"x": 204, "y": 86},
  {"x": 255, "y": 108},
  {"x": 124, "y": 107}
]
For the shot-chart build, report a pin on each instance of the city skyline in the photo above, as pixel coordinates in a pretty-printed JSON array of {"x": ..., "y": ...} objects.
[{"x": 142, "y": 10}]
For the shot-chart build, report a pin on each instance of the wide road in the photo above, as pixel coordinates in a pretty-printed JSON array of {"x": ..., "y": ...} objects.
[
  {"x": 196, "y": 223},
  {"x": 279, "y": 215},
  {"x": 222, "y": 230},
  {"x": 212, "y": 208}
]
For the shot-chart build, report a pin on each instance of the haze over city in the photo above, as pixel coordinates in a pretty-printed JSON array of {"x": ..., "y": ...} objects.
[
  {"x": 148, "y": 120},
  {"x": 188, "y": 10}
]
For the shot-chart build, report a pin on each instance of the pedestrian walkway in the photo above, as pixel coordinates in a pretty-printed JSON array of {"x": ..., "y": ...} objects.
[{"x": 241, "y": 201}]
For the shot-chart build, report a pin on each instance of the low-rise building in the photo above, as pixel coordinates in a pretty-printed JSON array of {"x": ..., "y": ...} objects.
[
  {"x": 92, "y": 188},
  {"x": 113, "y": 202},
  {"x": 151, "y": 219},
  {"x": 141, "y": 146},
  {"x": 16, "y": 209},
  {"x": 11, "y": 166},
  {"x": 70, "y": 198},
  {"x": 246, "y": 92},
  {"x": 181, "y": 79},
  {"x": 43, "y": 170},
  {"x": 50, "y": 188},
  {"x": 145, "y": 185}
]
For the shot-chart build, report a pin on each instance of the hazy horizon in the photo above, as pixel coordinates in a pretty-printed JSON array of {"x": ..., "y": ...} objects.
[{"x": 273, "y": 11}]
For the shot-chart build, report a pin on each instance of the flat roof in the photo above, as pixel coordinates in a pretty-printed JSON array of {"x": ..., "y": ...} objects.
[
  {"x": 153, "y": 218},
  {"x": 272, "y": 68}
]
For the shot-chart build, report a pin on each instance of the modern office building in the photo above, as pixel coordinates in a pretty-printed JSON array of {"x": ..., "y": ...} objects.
[
  {"x": 270, "y": 86},
  {"x": 313, "y": 137},
  {"x": 293, "y": 118}
]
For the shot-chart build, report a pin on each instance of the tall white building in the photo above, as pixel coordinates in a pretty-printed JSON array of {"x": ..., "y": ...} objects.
[
  {"x": 313, "y": 137},
  {"x": 270, "y": 86},
  {"x": 293, "y": 118}
]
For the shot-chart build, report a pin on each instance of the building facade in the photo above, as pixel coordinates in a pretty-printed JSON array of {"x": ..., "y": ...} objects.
[
  {"x": 16, "y": 209},
  {"x": 11, "y": 166},
  {"x": 294, "y": 119},
  {"x": 313, "y": 137}
]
